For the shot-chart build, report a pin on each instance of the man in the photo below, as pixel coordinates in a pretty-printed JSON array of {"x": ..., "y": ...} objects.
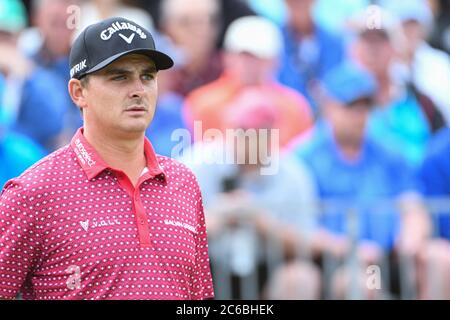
[
  {"x": 428, "y": 68},
  {"x": 404, "y": 118},
  {"x": 195, "y": 29},
  {"x": 16, "y": 151},
  {"x": 364, "y": 174},
  {"x": 26, "y": 82},
  {"x": 105, "y": 217},
  {"x": 53, "y": 36},
  {"x": 309, "y": 49},
  {"x": 249, "y": 61}
]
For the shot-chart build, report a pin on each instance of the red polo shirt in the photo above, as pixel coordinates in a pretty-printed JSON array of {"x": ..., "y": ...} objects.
[{"x": 71, "y": 227}]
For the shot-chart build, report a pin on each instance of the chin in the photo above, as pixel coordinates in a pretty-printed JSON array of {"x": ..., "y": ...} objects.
[{"x": 135, "y": 127}]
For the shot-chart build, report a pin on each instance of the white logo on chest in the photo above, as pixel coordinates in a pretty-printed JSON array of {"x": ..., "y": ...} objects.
[
  {"x": 85, "y": 224},
  {"x": 97, "y": 223}
]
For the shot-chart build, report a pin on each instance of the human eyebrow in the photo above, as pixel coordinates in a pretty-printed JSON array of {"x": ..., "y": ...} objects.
[
  {"x": 117, "y": 71},
  {"x": 150, "y": 70}
]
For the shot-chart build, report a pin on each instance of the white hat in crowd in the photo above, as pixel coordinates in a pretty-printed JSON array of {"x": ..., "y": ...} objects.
[{"x": 255, "y": 35}]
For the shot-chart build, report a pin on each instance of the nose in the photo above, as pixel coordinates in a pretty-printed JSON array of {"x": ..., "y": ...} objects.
[{"x": 137, "y": 89}]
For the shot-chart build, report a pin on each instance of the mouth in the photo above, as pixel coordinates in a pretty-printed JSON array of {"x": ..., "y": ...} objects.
[{"x": 136, "y": 109}]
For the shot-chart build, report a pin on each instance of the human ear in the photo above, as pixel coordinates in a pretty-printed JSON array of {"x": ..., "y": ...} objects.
[{"x": 77, "y": 93}]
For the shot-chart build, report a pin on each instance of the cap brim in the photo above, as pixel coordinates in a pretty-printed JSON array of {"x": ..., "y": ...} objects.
[{"x": 162, "y": 61}]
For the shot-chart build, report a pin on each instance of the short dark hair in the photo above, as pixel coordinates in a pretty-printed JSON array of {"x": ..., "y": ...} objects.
[{"x": 84, "y": 82}]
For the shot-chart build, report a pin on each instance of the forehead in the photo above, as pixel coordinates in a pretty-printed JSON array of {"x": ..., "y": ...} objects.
[
  {"x": 298, "y": 2},
  {"x": 132, "y": 61},
  {"x": 375, "y": 36}
]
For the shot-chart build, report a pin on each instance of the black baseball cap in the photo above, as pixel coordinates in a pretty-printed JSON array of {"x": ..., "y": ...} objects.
[{"x": 104, "y": 42}]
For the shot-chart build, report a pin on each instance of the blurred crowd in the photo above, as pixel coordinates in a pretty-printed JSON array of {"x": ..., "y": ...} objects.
[{"x": 358, "y": 93}]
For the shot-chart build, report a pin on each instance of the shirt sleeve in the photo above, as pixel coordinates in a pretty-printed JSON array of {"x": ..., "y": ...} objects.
[
  {"x": 19, "y": 239},
  {"x": 201, "y": 285},
  {"x": 431, "y": 179}
]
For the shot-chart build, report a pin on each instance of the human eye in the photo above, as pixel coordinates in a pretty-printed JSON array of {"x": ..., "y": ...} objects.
[
  {"x": 119, "y": 78},
  {"x": 148, "y": 76}
]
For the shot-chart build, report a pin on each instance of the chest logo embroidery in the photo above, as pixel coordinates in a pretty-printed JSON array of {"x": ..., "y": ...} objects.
[
  {"x": 85, "y": 224},
  {"x": 97, "y": 223}
]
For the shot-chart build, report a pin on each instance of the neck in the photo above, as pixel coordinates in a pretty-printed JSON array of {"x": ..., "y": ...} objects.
[
  {"x": 304, "y": 29},
  {"x": 350, "y": 149},
  {"x": 124, "y": 153},
  {"x": 351, "y": 152}
]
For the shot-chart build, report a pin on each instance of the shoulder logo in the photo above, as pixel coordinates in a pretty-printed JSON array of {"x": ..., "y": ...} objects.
[
  {"x": 129, "y": 39},
  {"x": 82, "y": 154}
]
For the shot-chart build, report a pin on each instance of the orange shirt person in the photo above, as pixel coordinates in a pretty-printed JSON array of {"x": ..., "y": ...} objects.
[{"x": 250, "y": 62}]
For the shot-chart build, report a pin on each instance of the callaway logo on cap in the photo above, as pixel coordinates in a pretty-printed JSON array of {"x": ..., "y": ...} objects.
[{"x": 102, "y": 43}]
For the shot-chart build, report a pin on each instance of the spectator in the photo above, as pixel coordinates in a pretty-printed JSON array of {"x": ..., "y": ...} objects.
[
  {"x": 364, "y": 174},
  {"x": 279, "y": 203},
  {"x": 195, "y": 29},
  {"x": 435, "y": 177},
  {"x": 404, "y": 118},
  {"x": 434, "y": 173},
  {"x": 249, "y": 61},
  {"x": 309, "y": 49},
  {"x": 35, "y": 95},
  {"x": 230, "y": 11},
  {"x": 53, "y": 35},
  {"x": 17, "y": 152},
  {"x": 50, "y": 18},
  {"x": 429, "y": 68}
]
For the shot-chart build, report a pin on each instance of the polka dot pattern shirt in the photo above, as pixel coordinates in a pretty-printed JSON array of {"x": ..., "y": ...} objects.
[{"x": 73, "y": 228}]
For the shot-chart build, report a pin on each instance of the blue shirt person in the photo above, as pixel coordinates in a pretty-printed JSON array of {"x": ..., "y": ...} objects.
[
  {"x": 376, "y": 175},
  {"x": 434, "y": 176},
  {"x": 41, "y": 113},
  {"x": 350, "y": 167},
  {"x": 310, "y": 50},
  {"x": 17, "y": 152},
  {"x": 71, "y": 118}
]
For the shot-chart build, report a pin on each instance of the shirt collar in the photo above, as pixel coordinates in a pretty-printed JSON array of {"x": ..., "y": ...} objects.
[{"x": 92, "y": 163}]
